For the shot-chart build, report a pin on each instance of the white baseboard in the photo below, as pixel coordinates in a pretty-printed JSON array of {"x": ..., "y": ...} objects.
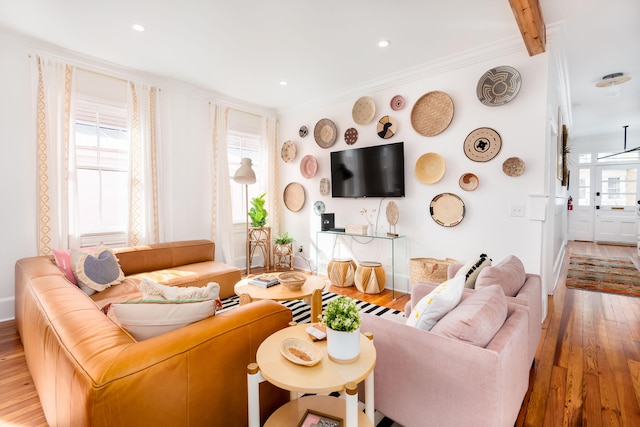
[{"x": 7, "y": 309}]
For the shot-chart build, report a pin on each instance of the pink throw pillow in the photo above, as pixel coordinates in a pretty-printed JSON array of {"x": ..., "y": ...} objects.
[
  {"x": 508, "y": 273},
  {"x": 63, "y": 261},
  {"x": 477, "y": 318}
]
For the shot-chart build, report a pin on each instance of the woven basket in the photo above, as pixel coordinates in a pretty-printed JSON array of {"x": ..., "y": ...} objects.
[{"x": 429, "y": 269}]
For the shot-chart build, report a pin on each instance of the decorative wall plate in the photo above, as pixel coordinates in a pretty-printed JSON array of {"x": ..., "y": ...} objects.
[
  {"x": 397, "y": 103},
  {"x": 325, "y": 186},
  {"x": 447, "y": 209},
  {"x": 498, "y": 86},
  {"x": 294, "y": 196},
  {"x": 482, "y": 144},
  {"x": 325, "y": 133},
  {"x": 308, "y": 166},
  {"x": 468, "y": 182},
  {"x": 318, "y": 207},
  {"x": 430, "y": 168},
  {"x": 513, "y": 166},
  {"x": 288, "y": 151},
  {"x": 432, "y": 113},
  {"x": 387, "y": 127},
  {"x": 303, "y": 131},
  {"x": 351, "y": 136},
  {"x": 364, "y": 110}
]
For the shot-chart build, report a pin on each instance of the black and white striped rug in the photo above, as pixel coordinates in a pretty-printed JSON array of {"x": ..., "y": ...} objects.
[{"x": 302, "y": 312}]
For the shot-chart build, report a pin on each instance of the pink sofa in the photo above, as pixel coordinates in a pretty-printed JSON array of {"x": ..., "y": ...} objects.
[
  {"x": 424, "y": 378},
  {"x": 528, "y": 295}
]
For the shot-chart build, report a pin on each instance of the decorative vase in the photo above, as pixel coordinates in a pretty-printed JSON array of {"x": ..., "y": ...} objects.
[
  {"x": 370, "y": 230},
  {"x": 343, "y": 347}
]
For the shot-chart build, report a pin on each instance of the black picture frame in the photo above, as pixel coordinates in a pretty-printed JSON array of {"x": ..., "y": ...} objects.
[{"x": 313, "y": 418}]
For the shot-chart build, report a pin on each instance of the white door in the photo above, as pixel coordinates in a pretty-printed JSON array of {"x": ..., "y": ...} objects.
[
  {"x": 582, "y": 216},
  {"x": 616, "y": 201}
]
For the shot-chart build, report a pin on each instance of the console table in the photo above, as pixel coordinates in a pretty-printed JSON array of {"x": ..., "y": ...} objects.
[{"x": 397, "y": 265}]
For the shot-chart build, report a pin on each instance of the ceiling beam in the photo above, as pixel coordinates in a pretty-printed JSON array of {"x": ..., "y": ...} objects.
[{"x": 531, "y": 24}]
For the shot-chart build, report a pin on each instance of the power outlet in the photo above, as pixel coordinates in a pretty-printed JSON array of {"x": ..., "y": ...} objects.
[
  {"x": 300, "y": 249},
  {"x": 516, "y": 210}
]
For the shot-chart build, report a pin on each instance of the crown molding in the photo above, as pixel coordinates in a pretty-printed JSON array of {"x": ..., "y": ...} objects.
[{"x": 433, "y": 68}]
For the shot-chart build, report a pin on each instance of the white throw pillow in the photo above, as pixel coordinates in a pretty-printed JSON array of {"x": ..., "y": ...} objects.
[
  {"x": 153, "y": 291},
  {"x": 436, "y": 304},
  {"x": 147, "y": 319}
]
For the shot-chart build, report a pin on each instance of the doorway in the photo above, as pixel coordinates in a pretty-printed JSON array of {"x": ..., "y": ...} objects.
[
  {"x": 616, "y": 197},
  {"x": 606, "y": 209}
]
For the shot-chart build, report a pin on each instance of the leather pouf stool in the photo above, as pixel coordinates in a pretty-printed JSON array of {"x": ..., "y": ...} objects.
[
  {"x": 341, "y": 272},
  {"x": 370, "y": 277}
]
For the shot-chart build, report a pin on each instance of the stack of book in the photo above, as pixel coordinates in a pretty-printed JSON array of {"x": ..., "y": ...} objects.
[{"x": 264, "y": 280}]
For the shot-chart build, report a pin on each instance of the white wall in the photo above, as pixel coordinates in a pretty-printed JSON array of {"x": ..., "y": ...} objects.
[{"x": 488, "y": 226}]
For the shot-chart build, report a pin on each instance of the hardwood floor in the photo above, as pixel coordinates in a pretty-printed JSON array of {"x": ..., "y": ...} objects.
[{"x": 586, "y": 371}]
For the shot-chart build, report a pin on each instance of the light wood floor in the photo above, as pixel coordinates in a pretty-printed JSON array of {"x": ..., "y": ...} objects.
[{"x": 586, "y": 371}]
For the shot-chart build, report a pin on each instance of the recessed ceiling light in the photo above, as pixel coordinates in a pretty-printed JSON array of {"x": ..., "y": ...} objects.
[
  {"x": 384, "y": 43},
  {"x": 138, "y": 27},
  {"x": 283, "y": 83}
]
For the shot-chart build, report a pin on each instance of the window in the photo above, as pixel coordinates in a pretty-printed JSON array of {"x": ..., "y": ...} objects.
[
  {"x": 102, "y": 163},
  {"x": 584, "y": 187},
  {"x": 239, "y": 146}
]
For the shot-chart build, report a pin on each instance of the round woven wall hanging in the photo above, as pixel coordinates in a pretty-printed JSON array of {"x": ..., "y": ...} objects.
[
  {"x": 325, "y": 133},
  {"x": 498, "y": 86},
  {"x": 447, "y": 209},
  {"x": 482, "y": 144},
  {"x": 294, "y": 196},
  {"x": 432, "y": 113}
]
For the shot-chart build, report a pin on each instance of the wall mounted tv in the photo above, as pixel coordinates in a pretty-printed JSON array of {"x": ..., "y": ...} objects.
[{"x": 376, "y": 171}]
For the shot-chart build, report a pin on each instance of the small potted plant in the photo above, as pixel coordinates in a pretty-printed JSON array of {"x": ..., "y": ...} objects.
[
  {"x": 258, "y": 213},
  {"x": 282, "y": 249},
  {"x": 342, "y": 320}
]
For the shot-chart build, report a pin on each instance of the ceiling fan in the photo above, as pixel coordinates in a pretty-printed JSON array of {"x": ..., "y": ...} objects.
[{"x": 624, "y": 148}]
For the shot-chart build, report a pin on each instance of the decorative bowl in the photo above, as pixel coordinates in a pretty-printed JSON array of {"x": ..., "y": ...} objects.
[
  {"x": 293, "y": 281},
  {"x": 300, "y": 352}
]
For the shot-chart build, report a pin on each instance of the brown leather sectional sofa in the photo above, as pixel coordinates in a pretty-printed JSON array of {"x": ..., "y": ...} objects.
[{"x": 90, "y": 372}]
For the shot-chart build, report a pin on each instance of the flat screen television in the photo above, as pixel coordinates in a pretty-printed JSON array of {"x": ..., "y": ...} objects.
[{"x": 376, "y": 171}]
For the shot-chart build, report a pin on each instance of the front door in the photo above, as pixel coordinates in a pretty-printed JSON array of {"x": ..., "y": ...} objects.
[{"x": 616, "y": 203}]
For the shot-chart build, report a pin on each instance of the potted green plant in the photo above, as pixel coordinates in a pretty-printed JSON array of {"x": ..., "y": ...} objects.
[
  {"x": 258, "y": 213},
  {"x": 283, "y": 251},
  {"x": 342, "y": 320}
]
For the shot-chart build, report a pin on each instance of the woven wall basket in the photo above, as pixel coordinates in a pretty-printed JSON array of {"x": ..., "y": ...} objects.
[{"x": 429, "y": 269}]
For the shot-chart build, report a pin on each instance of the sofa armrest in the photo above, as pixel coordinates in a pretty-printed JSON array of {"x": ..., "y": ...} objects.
[
  {"x": 418, "y": 291},
  {"x": 453, "y": 269},
  {"x": 424, "y": 376}
]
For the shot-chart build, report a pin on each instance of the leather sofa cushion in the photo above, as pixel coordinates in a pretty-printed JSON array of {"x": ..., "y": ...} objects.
[{"x": 138, "y": 259}]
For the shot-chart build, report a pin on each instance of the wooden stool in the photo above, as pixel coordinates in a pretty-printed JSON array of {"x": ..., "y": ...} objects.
[
  {"x": 370, "y": 277},
  {"x": 341, "y": 272}
]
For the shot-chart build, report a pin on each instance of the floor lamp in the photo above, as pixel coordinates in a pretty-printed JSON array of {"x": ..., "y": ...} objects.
[{"x": 245, "y": 176}]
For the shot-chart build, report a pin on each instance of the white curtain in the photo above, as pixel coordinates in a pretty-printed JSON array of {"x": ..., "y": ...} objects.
[
  {"x": 270, "y": 135},
  {"x": 55, "y": 93},
  {"x": 221, "y": 215},
  {"x": 143, "y": 192}
]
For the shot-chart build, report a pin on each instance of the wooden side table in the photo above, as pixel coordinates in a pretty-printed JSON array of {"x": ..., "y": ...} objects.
[
  {"x": 283, "y": 256},
  {"x": 259, "y": 238},
  {"x": 325, "y": 377}
]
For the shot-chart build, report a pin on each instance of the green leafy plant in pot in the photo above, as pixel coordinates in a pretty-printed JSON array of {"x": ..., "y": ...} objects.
[
  {"x": 258, "y": 213},
  {"x": 283, "y": 239},
  {"x": 342, "y": 320}
]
